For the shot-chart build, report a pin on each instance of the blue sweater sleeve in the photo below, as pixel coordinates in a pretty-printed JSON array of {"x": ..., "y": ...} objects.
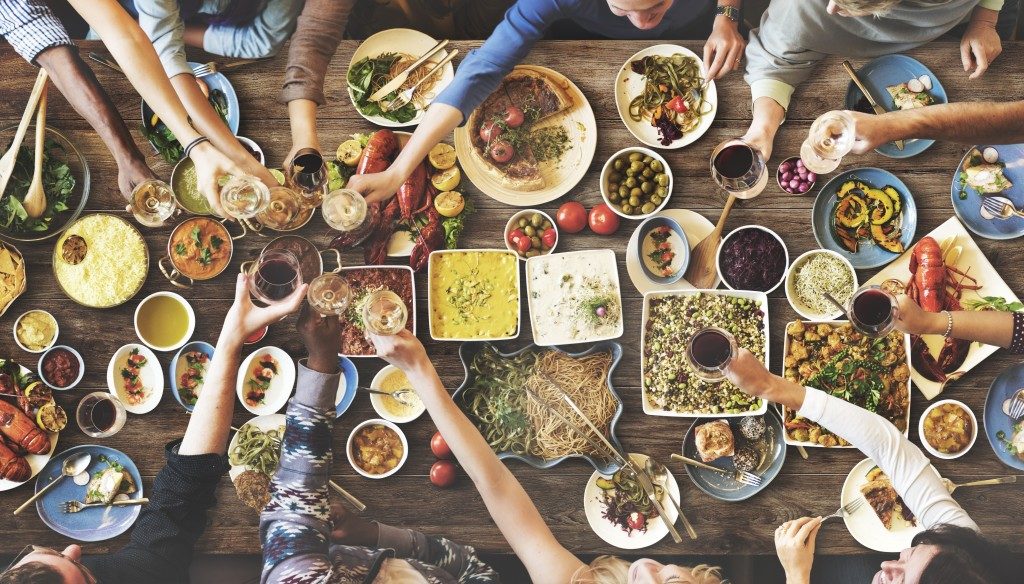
[{"x": 482, "y": 70}]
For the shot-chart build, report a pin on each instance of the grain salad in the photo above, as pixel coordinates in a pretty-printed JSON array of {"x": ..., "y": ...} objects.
[
  {"x": 101, "y": 261},
  {"x": 669, "y": 383},
  {"x": 823, "y": 273}
]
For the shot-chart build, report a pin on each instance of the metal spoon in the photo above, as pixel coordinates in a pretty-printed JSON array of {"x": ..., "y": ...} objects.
[
  {"x": 835, "y": 302},
  {"x": 401, "y": 396},
  {"x": 72, "y": 465},
  {"x": 1000, "y": 481},
  {"x": 659, "y": 474}
]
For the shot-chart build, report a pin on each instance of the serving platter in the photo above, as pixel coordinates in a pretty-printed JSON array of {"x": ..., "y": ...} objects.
[
  {"x": 36, "y": 462},
  {"x": 991, "y": 282},
  {"x": 541, "y": 330},
  {"x": 612, "y": 534},
  {"x": 432, "y": 298},
  {"x": 411, "y": 308},
  {"x": 696, "y": 227},
  {"x": 863, "y": 524},
  {"x": 967, "y": 200}
]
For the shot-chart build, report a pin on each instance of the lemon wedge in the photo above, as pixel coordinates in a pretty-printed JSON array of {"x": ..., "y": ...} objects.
[
  {"x": 447, "y": 180},
  {"x": 349, "y": 152},
  {"x": 51, "y": 417},
  {"x": 442, "y": 156},
  {"x": 449, "y": 203}
]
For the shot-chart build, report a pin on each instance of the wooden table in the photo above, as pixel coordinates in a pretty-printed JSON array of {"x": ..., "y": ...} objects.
[{"x": 804, "y": 487}]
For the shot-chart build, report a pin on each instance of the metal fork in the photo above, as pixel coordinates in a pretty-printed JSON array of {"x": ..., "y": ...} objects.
[
  {"x": 1016, "y": 409},
  {"x": 740, "y": 476},
  {"x": 76, "y": 506},
  {"x": 1000, "y": 207},
  {"x": 405, "y": 97},
  {"x": 211, "y": 67},
  {"x": 847, "y": 509}
]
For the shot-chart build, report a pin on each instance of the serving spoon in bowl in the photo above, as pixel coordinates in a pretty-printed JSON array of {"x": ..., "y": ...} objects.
[
  {"x": 402, "y": 396},
  {"x": 35, "y": 198}
]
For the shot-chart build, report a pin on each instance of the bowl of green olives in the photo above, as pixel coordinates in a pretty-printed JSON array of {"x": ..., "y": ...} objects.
[
  {"x": 531, "y": 233},
  {"x": 636, "y": 182}
]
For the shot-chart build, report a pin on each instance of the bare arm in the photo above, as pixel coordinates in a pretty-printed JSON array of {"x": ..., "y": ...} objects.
[
  {"x": 991, "y": 327},
  {"x": 194, "y": 33},
  {"x": 966, "y": 123},
  {"x": 768, "y": 116},
  {"x": 302, "y": 120}
]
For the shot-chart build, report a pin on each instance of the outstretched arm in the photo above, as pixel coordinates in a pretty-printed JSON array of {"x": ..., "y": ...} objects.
[
  {"x": 991, "y": 327},
  {"x": 966, "y": 123}
]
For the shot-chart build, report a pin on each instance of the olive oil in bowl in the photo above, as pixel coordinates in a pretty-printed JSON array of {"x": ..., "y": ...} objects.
[{"x": 164, "y": 321}]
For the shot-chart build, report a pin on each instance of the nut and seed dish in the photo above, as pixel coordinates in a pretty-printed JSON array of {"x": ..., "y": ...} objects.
[{"x": 668, "y": 382}]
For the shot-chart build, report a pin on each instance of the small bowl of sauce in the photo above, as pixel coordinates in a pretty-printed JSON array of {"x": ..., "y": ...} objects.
[{"x": 61, "y": 367}]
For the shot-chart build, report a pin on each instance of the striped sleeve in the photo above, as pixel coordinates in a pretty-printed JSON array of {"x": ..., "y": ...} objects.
[{"x": 31, "y": 28}]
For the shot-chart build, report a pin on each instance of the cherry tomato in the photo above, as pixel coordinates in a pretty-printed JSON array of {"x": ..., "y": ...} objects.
[
  {"x": 677, "y": 104},
  {"x": 636, "y": 520},
  {"x": 442, "y": 474},
  {"x": 439, "y": 447},
  {"x": 515, "y": 235},
  {"x": 502, "y": 151},
  {"x": 524, "y": 244},
  {"x": 603, "y": 221},
  {"x": 514, "y": 116},
  {"x": 489, "y": 131},
  {"x": 571, "y": 217},
  {"x": 549, "y": 237}
]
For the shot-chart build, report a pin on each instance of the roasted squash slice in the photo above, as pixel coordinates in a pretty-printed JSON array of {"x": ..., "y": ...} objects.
[
  {"x": 897, "y": 200},
  {"x": 887, "y": 242},
  {"x": 846, "y": 188},
  {"x": 882, "y": 207},
  {"x": 851, "y": 211}
]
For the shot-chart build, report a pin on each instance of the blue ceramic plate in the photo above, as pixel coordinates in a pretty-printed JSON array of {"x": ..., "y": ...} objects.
[
  {"x": 724, "y": 488},
  {"x": 469, "y": 350},
  {"x": 893, "y": 70},
  {"x": 89, "y": 524},
  {"x": 868, "y": 255},
  {"x": 968, "y": 209},
  {"x": 351, "y": 385},
  {"x": 174, "y": 373},
  {"x": 215, "y": 81},
  {"x": 682, "y": 250},
  {"x": 1003, "y": 388}
]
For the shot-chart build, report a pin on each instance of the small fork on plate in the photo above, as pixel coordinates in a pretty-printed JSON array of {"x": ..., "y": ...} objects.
[
  {"x": 405, "y": 97},
  {"x": 1016, "y": 409},
  {"x": 740, "y": 476},
  {"x": 76, "y": 506},
  {"x": 847, "y": 509}
]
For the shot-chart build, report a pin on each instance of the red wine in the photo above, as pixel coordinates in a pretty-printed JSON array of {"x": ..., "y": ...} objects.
[
  {"x": 277, "y": 272},
  {"x": 710, "y": 349},
  {"x": 872, "y": 308},
  {"x": 103, "y": 415},
  {"x": 308, "y": 163},
  {"x": 734, "y": 161}
]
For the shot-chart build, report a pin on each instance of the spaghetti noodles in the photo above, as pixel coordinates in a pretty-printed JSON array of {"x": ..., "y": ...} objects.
[{"x": 669, "y": 80}]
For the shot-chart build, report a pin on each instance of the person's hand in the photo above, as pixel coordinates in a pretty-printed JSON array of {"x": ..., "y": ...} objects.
[
  {"x": 914, "y": 320},
  {"x": 131, "y": 174},
  {"x": 376, "y": 187},
  {"x": 760, "y": 140},
  {"x": 724, "y": 48},
  {"x": 348, "y": 529},
  {"x": 403, "y": 350},
  {"x": 245, "y": 318},
  {"x": 871, "y": 131},
  {"x": 252, "y": 167},
  {"x": 979, "y": 46},
  {"x": 749, "y": 374},
  {"x": 794, "y": 543},
  {"x": 211, "y": 164},
  {"x": 321, "y": 335}
]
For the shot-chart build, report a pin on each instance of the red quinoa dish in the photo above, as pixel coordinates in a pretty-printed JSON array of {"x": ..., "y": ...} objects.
[{"x": 364, "y": 281}]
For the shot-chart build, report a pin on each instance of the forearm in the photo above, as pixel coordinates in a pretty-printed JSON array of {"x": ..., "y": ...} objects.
[
  {"x": 206, "y": 119},
  {"x": 982, "y": 15},
  {"x": 991, "y": 327},
  {"x": 210, "y": 423},
  {"x": 767, "y": 116},
  {"x": 437, "y": 125},
  {"x": 302, "y": 119},
  {"x": 966, "y": 123},
  {"x": 194, "y": 34}
]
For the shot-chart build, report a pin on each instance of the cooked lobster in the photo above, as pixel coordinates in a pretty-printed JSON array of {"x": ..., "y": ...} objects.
[
  {"x": 13, "y": 467},
  {"x": 412, "y": 193},
  {"x": 375, "y": 250},
  {"x": 379, "y": 151},
  {"x": 22, "y": 431},
  {"x": 430, "y": 238},
  {"x": 936, "y": 286}
]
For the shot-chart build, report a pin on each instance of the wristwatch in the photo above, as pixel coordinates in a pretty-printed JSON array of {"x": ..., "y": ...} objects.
[{"x": 730, "y": 12}]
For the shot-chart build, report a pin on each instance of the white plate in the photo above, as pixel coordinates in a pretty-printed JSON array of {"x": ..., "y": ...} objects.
[
  {"x": 151, "y": 374},
  {"x": 280, "y": 385},
  {"x": 430, "y": 294},
  {"x": 547, "y": 334},
  {"x": 696, "y": 227},
  {"x": 377, "y": 399},
  {"x": 403, "y": 40},
  {"x": 628, "y": 85},
  {"x": 649, "y": 408},
  {"x": 559, "y": 177},
  {"x": 991, "y": 282},
  {"x": 401, "y": 243},
  {"x": 267, "y": 422},
  {"x": 615, "y": 535},
  {"x": 35, "y": 461},
  {"x": 910, "y": 384},
  {"x": 864, "y": 525}
]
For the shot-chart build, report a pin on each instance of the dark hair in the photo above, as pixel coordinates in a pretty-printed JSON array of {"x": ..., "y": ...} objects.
[
  {"x": 237, "y": 13},
  {"x": 965, "y": 557},
  {"x": 32, "y": 573}
]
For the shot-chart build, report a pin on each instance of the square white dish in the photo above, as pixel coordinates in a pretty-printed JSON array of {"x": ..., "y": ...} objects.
[
  {"x": 549, "y": 333},
  {"x": 431, "y": 300}
]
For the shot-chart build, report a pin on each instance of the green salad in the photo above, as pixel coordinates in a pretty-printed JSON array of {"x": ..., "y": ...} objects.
[
  {"x": 58, "y": 184},
  {"x": 369, "y": 75},
  {"x": 163, "y": 139}
]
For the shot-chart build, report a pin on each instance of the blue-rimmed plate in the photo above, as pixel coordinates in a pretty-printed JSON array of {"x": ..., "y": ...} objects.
[
  {"x": 88, "y": 524},
  {"x": 770, "y": 447},
  {"x": 347, "y": 387},
  {"x": 469, "y": 350},
  {"x": 179, "y": 365},
  {"x": 967, "y": 200},
  {"x": 888, "y": 70},
  {"x": 1003, "y": 388},
  {"x": 869, "y": 255},
  {"x": 646, "y": 246}
]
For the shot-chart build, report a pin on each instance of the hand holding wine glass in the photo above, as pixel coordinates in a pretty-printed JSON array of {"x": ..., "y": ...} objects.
[{"x": 244, "y": 317}]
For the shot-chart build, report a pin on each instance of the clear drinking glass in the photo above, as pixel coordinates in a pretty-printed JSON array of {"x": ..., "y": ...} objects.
[
  {"x": 152, "y": 202},
  {"x": 873, "y": 311},
  {"x": 285, "y": 211},
  {"x": 244, "y": 197},
  {"x": 830, "y": 138},
  {"x": 739, "y": 169},
  {"x": 384, "y": 313},
  {"x": 307, "y": 174},
  {"x": 329, "y": 294},
  {"x": 100, "y": 414},
  {"x": 274, "y": 276},
  {"x": 709, "y": 351},
  {"x": 345, "y": 210}
]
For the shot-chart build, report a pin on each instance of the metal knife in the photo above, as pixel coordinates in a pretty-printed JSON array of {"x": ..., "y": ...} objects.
[
  {"x": 648, "y": 487},
  {"x": 106, "y": 61},
  {"x": 867, "y": 94},
  {"x": 401, "y": 77}
]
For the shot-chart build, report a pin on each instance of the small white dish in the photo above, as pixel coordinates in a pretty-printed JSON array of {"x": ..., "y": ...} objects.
[
  {"x": 721, "y": 246},
  {"x": 191, "y": 328},
  {"x": 281, "y": 384},
  {"x": 864, "y": 525},
  {"x": 382, "y": 422},
  {"x": 513, "y": 223},
  {"x": 607, "y": 169},
  {"x": 265, "y": 423},
  {"x": 791, "y": 293},
  {"x": 377, "y": 400},
  {"x": 77, "y": 356},
  {"x": 150, "y": 375},
  {"x": 593, "y": 508},
  {"x": 53, "y": 341},
  {"x": 934, "y": 451}
]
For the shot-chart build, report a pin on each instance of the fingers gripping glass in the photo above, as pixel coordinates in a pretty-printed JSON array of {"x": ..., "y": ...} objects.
[{"x": 86, "y": 573}]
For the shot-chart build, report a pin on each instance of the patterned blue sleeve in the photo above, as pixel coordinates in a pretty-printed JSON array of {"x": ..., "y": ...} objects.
[{"x": 295, "y": 526}]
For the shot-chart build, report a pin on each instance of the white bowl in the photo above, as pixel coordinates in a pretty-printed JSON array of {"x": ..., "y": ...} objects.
[
  {"x": 377, "y": 400},
  {"x": 281, "y": 385},
  {"x": 794, "y": 299},
  {"x": 401, "y": 436},
  {"x": 81, "y": 367},
  {"x": 191, "y": 328},
  {"x": 513, "y": 223},
  {"x": 932, "y": 450},
  {"x": 56, "y": 331},
  {"x": 607, "y": 169},
  {"x": 151, "y": 373},
  {"x": 718, "y": 256}
]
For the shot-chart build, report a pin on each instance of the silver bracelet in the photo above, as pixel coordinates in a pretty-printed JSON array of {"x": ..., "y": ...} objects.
[{"x": 949, "y": 324}]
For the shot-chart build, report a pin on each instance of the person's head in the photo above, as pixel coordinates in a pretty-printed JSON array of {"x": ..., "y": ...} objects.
[
  {"x": 644, "y": 14},
  {"x": 614, "y": 570},
  {"x": 40, "y": 565},
  {"x": 948, "y": 554}
]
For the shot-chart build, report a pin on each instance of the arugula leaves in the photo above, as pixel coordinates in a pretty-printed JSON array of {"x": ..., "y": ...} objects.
[
  {"x": 163, "y": 139},
  {"x": 369, "y": 75},
  {"x": 58, "y": 184}
]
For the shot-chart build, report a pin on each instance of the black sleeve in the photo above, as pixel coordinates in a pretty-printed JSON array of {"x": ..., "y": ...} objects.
[{"x": 166, "y": 532}]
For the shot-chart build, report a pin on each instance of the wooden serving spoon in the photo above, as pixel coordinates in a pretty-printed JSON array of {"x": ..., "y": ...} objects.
[
  {"x": 703, "y": 270},
  {"x": 8, "y": 159},
  {"x": 35, "y": 198}
]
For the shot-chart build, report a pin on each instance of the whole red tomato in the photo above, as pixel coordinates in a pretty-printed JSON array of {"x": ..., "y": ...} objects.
[
  {"x": 514, "y": 116},
  {"x": 489, "y": 131},
  {"x": 439, "y": 447},
  {"x": 502, "y": 151},
  {"x": 603, "y": 221},
  {"x": 442, "y": 474},
  {"x": 571, "y": 217}
]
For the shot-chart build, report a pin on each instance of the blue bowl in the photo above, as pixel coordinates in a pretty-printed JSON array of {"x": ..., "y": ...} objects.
[
  {"x": 205, "y": 348},
  {"x": 1003, "y": 388},
  {"x": 469, "y": 350},
  {"x": 644, "y": 229},
  {"x": 351, "y": 385}
]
